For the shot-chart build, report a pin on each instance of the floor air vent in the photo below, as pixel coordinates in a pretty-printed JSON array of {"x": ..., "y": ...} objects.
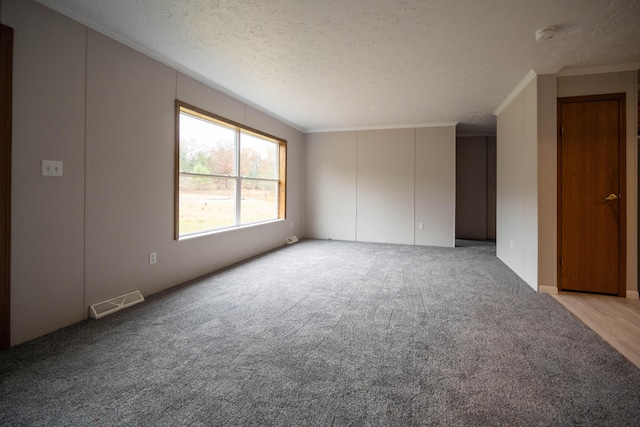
[{"x": 103, "y": 308}]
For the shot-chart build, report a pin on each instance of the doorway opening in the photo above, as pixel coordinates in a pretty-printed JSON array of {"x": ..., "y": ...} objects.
[{"x": 6, "y": 77}]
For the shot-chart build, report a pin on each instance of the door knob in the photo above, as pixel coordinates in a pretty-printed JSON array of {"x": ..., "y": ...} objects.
[{"x": 611, "y": 197}]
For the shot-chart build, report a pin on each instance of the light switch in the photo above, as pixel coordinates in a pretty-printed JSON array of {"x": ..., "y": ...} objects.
[{"x": 51, "y": 168}]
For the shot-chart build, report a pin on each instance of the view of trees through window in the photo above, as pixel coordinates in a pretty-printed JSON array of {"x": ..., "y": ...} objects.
[{"x": 228, "y": 176}]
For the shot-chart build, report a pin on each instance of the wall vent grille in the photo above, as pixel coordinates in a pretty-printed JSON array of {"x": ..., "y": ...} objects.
[
  {"x": 112, "y": 305},
  {"x": 291, "y": 240}
]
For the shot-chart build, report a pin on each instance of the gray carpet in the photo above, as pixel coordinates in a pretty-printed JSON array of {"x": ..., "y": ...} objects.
[{"x": 329, "y": 333}]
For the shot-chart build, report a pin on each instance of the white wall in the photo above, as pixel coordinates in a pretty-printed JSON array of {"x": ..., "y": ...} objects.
[
  {"x": 85, "y": 237},
  {"x": 517, "y": 212},
  {"x": 378, "y": 185},
  {"x": 47, "y": 214},
  {"x": 547, "y": 183},
  {"x": 435, "y": 177},
  {"x": 385, "y": 194},
  {"x": 330, "y": 185},
  {"x": 529, "y": 194}
]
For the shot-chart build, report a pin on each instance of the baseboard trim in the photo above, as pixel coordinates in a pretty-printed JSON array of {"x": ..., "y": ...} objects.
[
  {"x": 554, "y": 291},
  {"x": 633, "y": 294},
  {"x": 551, "y": 290}
]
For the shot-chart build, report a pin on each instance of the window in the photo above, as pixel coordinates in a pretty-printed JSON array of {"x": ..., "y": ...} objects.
[{"x": 227, "y": 175}]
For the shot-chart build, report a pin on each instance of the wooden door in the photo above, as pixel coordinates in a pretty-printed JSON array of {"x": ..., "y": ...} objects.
[{"x": 591, "y": 196}]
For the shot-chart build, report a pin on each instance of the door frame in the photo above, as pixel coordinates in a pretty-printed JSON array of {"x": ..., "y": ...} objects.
[
  {"x": 6, "y": 83},
  {"x": 622, "y": 182}
]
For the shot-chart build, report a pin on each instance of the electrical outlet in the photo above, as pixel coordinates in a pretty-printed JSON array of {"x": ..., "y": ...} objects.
[
  {"x": 421, "y": 226},
  {"x": 153, "y": 257}
]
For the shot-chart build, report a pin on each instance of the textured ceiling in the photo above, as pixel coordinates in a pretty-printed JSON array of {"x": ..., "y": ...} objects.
[{"x": 337, "y": 64}]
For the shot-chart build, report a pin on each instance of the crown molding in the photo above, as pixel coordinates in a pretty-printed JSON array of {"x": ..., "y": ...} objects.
[
  {"x": 564, "y": 72},
  {"x": 601, "y": 69},
  {"x": 362, "y": 128},
  {"x": 548, "y": 70},
  {"x": 527, "y": 79}
]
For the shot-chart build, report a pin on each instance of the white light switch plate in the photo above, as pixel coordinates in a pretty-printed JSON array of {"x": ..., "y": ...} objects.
[{"x": 51, "y": 168}]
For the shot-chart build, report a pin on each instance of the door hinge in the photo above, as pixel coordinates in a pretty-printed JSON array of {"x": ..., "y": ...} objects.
[{"x": 561, "y": 130}]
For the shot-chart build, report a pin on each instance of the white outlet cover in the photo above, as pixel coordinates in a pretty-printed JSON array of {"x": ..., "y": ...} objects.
[{"x": 51, "y": 168}]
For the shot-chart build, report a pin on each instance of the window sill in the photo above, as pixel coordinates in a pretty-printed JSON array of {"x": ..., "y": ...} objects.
[{"x": 228, "y": 230}]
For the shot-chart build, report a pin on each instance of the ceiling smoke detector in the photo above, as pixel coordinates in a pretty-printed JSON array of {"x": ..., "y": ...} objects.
[{"x": 546, "y": 33}]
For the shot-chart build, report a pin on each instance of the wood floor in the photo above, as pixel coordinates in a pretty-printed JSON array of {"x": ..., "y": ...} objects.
[{"x": 616, "y": 320}]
